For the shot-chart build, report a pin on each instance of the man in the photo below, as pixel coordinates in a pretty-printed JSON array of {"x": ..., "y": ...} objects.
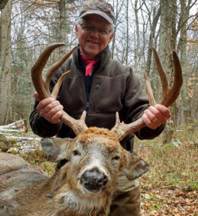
[{"x": 102, "y": 87}]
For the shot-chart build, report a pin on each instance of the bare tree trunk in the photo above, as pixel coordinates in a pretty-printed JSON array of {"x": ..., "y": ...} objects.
[
  {"x": 62, "y": 20},
  {"x": 156, "y": 16},
  {"x": 127, "y": 31},
  {"x": 3, "y": 4},
  {"x": 137, "y": 46},
  {"x": 167, "y": 31},
  {"x": 117, "y": 5},
  {"x": 182, "y": 48},
  {"x": 167, "y": 44},
  {"x": 5, "y": 66}
]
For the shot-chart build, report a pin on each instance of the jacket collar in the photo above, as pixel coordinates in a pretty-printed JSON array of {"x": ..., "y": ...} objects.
[{"x": 102, "y": 60}]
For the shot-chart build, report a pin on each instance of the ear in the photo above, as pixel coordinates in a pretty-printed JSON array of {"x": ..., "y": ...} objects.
[
  {"x": 111, "y": 37},
  {"x": 56, "y": 148},
  {"x": 133, "y": 168},
  {"x": 76, "y": 28},
  {"x": 136, "y": 166}
]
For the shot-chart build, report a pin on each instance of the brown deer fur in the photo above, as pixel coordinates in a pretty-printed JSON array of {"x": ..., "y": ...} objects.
[{"x": 25, "y": 191}]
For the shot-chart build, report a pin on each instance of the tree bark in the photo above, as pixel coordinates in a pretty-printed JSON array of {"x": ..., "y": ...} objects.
[
  {"x": 127, "y": 31},
  {"x": 137, "y": 33},
  {"x": 156, "y": 16},
  {"x": 5, "y": 65},
  {"x": 3, "y": 4},
  {"x": 166, "y": 46},
  {"x": 62, "y": 20},
  {"x": 182, "y": 49},
  {"x": 167, "y": 32}
]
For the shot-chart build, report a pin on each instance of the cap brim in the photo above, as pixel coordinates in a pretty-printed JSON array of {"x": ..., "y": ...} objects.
[{"x": 97, "y": 12}]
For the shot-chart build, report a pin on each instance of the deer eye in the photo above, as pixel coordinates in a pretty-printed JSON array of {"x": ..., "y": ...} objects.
[
  {"x": 76, "y": 152},
  {"x": 116, "y": 157}
]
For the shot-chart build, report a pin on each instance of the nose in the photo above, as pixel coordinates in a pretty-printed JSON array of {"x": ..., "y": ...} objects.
[{"x": 93, "y": 180}]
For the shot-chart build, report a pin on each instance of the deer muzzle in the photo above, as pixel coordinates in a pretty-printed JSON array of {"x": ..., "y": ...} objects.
[{"x": 93, "y": 180}]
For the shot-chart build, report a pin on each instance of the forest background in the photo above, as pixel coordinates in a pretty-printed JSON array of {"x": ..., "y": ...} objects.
[{"x": 28, "y": 26}]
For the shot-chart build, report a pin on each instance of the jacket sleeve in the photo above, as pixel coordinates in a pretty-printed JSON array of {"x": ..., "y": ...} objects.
[
  {"x": 41, "y": 126},
  {"x": 135, "y": 103}
]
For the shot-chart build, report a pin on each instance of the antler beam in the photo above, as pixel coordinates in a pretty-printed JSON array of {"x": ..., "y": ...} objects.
[
  {"x": 169, "y": 96},
  {"x": 42, "y": 86}
]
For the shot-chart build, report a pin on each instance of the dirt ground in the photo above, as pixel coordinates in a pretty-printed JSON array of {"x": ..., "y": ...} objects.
[{"x": 170, "y": 188}]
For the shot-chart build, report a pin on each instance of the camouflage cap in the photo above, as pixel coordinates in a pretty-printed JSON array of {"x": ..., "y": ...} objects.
[{"x": 98, "y": 7}]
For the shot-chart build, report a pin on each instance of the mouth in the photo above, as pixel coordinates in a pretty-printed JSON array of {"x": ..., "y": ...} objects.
[
  {"x": 93, "y": 188},
  {"x": 90, "y": 189},
  {"x": 93, "y": 42},
  {"x": 93, "y": 191}
]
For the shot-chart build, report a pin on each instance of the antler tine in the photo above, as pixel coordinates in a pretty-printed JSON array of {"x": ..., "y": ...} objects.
[
  {"x": 122, "y": 130},
  {"x": 169, "y": 96},
  {"x": 55, "y": 66},
  {"x": 177, "y": 83},
  {"x": 149, "y": 90},
  {"x": 76, "y": 125},
  {"x": 59, "y": 82},
  {"x": 161, "y": 72},
  {"x": 37, "y": 68}
]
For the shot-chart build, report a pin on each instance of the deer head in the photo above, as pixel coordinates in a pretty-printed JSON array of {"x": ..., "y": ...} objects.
[{"x": 91, "y": 168}]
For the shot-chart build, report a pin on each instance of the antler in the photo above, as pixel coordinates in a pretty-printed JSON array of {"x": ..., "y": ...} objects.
[
  {"x": 169, "y": 96},
  {"x": 42, "y": 87}
]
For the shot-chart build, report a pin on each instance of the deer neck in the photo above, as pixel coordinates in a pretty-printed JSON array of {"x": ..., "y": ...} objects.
[
  {"x": 50, "y": 198},
  {"x": 63, "y": 199}
]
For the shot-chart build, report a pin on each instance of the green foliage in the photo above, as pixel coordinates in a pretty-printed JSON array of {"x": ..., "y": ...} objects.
[{"x": 37, "y": 158}]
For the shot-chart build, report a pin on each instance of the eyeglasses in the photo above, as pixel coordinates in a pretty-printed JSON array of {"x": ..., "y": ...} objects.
[{"x": 91, "y": 29}]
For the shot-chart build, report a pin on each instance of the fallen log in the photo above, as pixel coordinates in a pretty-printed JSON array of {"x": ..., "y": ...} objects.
[
  {"x": 22, "y": 143},
  {"x": 19, "y": 126}
]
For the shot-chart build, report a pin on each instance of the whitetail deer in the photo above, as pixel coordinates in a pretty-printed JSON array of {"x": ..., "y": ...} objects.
[{"x": 90, "y": 168}]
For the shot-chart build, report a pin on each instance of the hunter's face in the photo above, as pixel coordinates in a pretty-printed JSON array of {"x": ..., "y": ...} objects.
[{"x": 94, "y": 34}]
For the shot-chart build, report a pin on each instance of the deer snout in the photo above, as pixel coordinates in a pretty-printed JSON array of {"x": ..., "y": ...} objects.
[{"x": 94, "y": 180}]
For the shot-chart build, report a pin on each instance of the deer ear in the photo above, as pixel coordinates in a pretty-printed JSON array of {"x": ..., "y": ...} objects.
[
  {"x": 133, "y": 168},
  {"x": 56, "y": 149},
  {"x": 136, "y": 166}
]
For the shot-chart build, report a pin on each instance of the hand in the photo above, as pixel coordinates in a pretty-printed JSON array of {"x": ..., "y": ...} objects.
[
  {"x": 156, "y": 115},
  {"x": 50, "y": 109}
]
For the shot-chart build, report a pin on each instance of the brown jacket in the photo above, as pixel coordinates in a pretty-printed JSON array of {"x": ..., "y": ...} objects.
[{"x": 114, "y": 88}]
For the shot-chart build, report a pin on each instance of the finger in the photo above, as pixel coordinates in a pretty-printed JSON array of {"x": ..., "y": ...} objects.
[
  {"x": 158, "y": 116},
  {"x": 147, "y": 120},
  {"x": 149, "y": 123},
  {"x": 53, "y": 117},
  {"x": 150, "y": 118},
  {"x": 163, "y": 110},
  {"x": 44, "y": 103},
  {"x": 54, "y": 110},
  {"x": 54, "y": 105},
  {"x": 150, "y": 115}
]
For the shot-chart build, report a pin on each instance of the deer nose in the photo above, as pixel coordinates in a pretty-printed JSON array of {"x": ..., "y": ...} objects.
[{"x": 93, "y": 180}]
